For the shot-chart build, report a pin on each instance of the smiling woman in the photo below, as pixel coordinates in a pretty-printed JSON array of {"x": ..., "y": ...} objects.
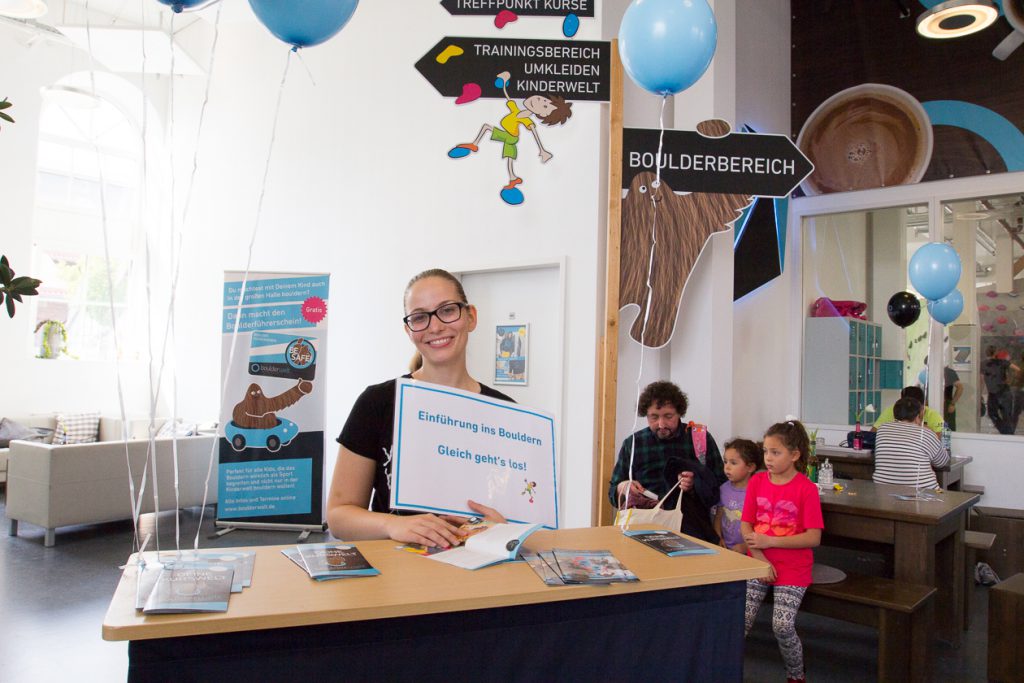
[{"x": 438, "y": 320}]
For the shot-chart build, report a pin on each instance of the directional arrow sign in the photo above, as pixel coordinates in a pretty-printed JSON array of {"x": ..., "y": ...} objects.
[
  {"x": 575, "y": 70},
  {"x": 739, "y": 163},
  {"x": 524, "y": 8}
]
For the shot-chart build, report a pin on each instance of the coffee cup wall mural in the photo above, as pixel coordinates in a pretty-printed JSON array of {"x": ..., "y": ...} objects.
[{"x": 876, "y": 105}]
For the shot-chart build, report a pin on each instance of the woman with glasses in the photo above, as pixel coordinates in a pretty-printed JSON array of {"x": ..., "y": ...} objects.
[{"x": 438, "y": 321}]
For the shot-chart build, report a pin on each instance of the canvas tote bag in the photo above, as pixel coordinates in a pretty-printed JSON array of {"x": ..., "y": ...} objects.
[{"x": 671, "y": 519}]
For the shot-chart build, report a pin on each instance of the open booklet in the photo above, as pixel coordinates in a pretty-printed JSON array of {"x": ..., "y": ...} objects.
[{"x": 497, "y": 543}]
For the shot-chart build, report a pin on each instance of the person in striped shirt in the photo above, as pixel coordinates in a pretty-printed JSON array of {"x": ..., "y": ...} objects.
[{"x": 906, "y": 451}]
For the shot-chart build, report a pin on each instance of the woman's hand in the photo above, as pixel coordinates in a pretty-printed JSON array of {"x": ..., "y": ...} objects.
[
  {"x": 759, "y": 541},
  {"x": 423, "y": 529},
  {"x": 490, "y": 514}
]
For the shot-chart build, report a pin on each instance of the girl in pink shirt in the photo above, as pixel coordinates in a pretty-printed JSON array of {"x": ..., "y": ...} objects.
[{"x": 781, "y": 522}]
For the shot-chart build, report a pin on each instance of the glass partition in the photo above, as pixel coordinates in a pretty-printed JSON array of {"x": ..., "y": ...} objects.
[
  {"x": 855, "y": 359},
  {"x": 984, "y": 350}
]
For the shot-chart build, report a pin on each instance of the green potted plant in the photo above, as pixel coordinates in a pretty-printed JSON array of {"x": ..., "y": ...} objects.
[
  {"x": 54, "y": 340},
  {"x": 4, "y": 104},
  {"x": 13, "y": 288}
]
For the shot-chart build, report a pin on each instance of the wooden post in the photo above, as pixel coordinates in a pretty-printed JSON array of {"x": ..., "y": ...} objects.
[{"x": 608, "y": 348}]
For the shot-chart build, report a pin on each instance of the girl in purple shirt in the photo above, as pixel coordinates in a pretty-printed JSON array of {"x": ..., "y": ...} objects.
[{"x": 742, "y": 458}]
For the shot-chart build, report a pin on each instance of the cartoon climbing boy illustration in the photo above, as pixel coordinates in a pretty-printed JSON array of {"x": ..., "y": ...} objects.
[
  {"x": 531, "y": 487},
  {"x": 551, "y": 111}
]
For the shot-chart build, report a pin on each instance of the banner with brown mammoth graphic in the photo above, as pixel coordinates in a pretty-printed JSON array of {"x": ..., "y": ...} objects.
[{"x": 271, "y": 465}]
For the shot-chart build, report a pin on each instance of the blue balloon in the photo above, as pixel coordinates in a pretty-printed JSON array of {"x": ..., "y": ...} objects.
[
  {"x": 181, "y": 5},
  {"x": 934, "y": 270},
  {"x": 948, "y": 308},
  {"x": 667, "y": 45},
  {"x": 304, "y": 23}
]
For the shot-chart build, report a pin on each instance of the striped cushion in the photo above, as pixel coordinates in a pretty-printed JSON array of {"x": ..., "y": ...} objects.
[{"x": 76, "y": 428}]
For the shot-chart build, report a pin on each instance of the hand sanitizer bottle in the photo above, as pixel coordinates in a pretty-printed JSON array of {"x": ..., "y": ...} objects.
[{"x": 825, "y": 474}]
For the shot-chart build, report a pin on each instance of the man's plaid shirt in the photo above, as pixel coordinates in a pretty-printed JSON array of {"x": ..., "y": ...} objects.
[{"x": 652, "y": 454}]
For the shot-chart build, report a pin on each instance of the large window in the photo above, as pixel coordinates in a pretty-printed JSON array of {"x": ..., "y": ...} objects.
[
  {"x": 855, "y": 359},
  {"x": 861, "y": 257},
  {"x": 83, "y": 141},
  {"x": 986, "y": 343}
]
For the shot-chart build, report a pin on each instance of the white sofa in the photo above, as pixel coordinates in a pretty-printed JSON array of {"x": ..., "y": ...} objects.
[
  {"x": 54, "y": 486},
  {"x": 44, "y": 421}
]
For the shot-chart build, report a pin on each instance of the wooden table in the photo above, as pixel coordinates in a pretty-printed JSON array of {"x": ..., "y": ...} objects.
[
  {"x": 924, "y": 538},
  {"x": 860, "y": 464},
  {"x": 427, "y": 620}
]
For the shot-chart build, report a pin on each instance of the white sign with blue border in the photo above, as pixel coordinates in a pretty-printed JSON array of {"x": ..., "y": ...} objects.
[{"x": 452, "y": 445}]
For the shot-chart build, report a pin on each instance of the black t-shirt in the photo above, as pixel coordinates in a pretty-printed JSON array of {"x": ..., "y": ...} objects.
[
  {"x": 369, "y": 431},
  {"x": 995, "y": 371}
]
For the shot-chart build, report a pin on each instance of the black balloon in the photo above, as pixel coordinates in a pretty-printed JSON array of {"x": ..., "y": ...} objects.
[{"x": 904, "y": 309}]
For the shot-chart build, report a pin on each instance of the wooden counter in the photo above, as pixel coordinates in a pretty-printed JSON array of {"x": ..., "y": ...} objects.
[{"x": 703, "y": 592}]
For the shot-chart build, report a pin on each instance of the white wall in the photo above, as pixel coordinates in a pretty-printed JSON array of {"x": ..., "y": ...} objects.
[{"x": 765, "y": 387}]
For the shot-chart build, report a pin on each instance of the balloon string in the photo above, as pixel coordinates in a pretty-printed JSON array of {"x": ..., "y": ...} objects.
[
  {"x": 177, "y": 272},
  {"x": 306, "y": 67},
  {"x": 143, "y": 213},
  {"x": 110, "y": 278},
  {"x": 650, "y": 289},
  {"x": 245, "y": 275},
  {"x": 661, "y": 141},
  {"x": 202, "y": 115}
]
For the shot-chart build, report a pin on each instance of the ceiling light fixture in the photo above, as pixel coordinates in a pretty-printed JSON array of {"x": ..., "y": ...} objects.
[
  {"x": 956, "y": 18},
  {"x": 22, "y": 9}
]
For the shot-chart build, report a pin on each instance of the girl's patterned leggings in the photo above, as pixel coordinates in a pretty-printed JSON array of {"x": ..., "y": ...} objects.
[{"x": 787, "y": 604}]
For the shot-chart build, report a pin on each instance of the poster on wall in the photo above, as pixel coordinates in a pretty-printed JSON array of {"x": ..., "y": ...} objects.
[
  {"x": 884, "y": 106},
  {"x": 271, "y": 464},
  {"x": 511, "y": 354},
  {"x": 452, "y": 446}
]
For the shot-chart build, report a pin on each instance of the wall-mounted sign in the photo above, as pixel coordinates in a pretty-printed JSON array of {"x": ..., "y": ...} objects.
[
  {"x": 468, "y": 68},
  {"x": 738, "y": 163},
  {"x": 522, "y": 8}
]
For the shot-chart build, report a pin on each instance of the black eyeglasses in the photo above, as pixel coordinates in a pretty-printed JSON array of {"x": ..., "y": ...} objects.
[{"x": 446, "y": 313}]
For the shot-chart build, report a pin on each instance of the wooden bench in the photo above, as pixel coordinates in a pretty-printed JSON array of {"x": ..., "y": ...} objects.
[
  {"x": 1005, "y": 624},
  {"x": 973, "y": 542},
  {"x": 900, "y": 611}
]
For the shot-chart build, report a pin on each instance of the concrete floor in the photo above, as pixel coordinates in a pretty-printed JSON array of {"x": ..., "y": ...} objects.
[{"x": 53, "y": 601}]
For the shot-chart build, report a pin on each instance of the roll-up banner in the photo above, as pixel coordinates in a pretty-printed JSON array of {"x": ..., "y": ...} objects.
[{"x": 271, "y": 465}]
